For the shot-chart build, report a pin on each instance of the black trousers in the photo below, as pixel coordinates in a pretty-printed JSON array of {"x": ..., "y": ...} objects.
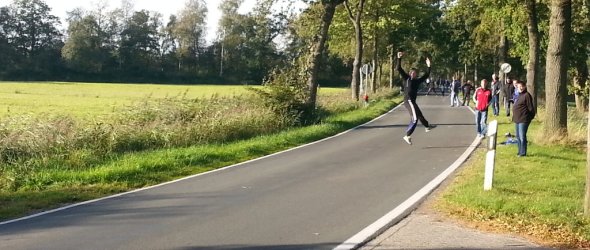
[{"x": 415, "y": 115}]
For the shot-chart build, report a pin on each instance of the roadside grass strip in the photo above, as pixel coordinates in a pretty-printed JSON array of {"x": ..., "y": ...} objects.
[{"x": 539, "y": 196}]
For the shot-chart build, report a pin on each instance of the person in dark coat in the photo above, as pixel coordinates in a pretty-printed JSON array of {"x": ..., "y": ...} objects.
[
  {"x": 508, "y": 89},
  {"x": 496, "y": 94},
  {"x": 467, "y": 87},
  {"x": 523, "y": 114}
]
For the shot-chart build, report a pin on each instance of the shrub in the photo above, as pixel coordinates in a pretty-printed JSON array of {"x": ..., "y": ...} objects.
[{"x": 285, "y": 92}]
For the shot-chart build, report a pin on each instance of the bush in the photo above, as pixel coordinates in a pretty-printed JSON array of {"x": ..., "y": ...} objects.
[{"x": 286, "y": 93}]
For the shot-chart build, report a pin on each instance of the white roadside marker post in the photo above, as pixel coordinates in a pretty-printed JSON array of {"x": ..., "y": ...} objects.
[{"x": 491, "y": 155}]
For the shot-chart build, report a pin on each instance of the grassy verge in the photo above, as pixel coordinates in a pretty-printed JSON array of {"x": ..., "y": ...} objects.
[
  {"x": 539, "y": 196},
  {"x": 57, "y": 187}
]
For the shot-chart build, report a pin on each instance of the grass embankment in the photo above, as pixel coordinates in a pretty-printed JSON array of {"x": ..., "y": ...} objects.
[
  {"x": 52, "y": 185},
  {"x": 539, "y": 196}
]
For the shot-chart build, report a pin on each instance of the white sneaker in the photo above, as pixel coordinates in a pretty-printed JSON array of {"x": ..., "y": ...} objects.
[
  {"x": 408, "y": 139},
  {"x": 430, "y": 128}
]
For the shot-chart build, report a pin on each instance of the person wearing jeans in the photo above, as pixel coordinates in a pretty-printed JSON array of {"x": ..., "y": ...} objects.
[
  {"x": 495, "y": 88},
  {"x": 508, "y": 89},
  {"x": 482, "y": 99},
  {"x": 455, "y": 87},
  {"x": 522, "y": 114}
]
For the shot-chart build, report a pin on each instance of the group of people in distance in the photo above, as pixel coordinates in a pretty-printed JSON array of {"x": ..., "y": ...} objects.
[{"x": 486, "y": 95}]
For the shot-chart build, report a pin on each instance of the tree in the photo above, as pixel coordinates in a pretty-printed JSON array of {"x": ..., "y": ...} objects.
[
  {"x": 34, "y": 35},
  {"x": 587, "y": 194},
  {"x": 189, "y": 31},
  {"x": 556, "y": 74},
  {"x": 7, "y": 50},
  {"x": 318, "y": 45},
  {"x": 358, "y": 57},
  {"x": 169, "y": 45},
  {"x": 534, "y": 43},
  {"x": 83, "y": 49},
  {"x": 139, "y": 43},
  {"x": 248, "y": 39},
  {"x": 581, "y": 50}
]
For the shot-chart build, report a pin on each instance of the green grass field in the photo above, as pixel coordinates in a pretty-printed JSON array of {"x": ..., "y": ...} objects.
[{"x": 91, "y": 99}]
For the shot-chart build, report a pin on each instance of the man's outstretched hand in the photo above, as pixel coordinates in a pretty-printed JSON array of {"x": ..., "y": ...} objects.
[{"x": 428, "y": 62}]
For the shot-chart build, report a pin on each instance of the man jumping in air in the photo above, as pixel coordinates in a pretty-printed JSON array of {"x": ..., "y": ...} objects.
[{"x": 411, "y": 85}]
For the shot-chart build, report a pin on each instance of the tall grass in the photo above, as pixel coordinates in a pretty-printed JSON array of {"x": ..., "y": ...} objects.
[{"x": 33, "y": 144}]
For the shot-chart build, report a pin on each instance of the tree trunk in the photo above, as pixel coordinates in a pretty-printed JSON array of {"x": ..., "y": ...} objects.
[
  {"x": 502, "y": 58},
  {"x": 375, "y": 66},
  {"x": 580, "y": 86},
  {"x": 587, "y": 196},
  {"x": 358, "y": 57},
  {"x": 533, "y": 63},
  {"x": 391, "y": 66},
  {"x": 376, "y": 59},
  {"x": 318, "y": 47},
  {"x": 557, "y": 64}
]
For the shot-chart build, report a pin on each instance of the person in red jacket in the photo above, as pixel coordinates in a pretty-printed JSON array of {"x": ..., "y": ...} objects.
[{"x": 482, "y": 99}]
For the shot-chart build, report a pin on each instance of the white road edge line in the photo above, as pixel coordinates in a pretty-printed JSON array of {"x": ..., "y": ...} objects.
[
  {"x": 404, "y": 209},
  {"x": 190, "y": 177}
]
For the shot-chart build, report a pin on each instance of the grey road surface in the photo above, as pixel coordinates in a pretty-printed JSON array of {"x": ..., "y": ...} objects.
[{"x": 313, "y": 197}]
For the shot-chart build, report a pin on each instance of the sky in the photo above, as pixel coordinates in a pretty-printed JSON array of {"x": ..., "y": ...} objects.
[{"x": 166, "y": 7}]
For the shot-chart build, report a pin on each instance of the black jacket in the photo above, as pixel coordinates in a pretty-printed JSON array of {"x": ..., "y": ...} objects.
[
  {"x": 523, "y": 110},
  {"x": 508, "y": 89},
  {"x": 411, "y": 86}
]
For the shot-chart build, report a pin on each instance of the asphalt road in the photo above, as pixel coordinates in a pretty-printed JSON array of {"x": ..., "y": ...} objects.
[{"x": 312, "y": 197}]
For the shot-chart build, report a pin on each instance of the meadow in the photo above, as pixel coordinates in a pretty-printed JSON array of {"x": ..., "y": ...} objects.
[{"x": 91, "y": 99}]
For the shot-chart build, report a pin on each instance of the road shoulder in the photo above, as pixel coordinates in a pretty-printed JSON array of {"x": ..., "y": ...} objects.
[{"x": 426, "y": 228}]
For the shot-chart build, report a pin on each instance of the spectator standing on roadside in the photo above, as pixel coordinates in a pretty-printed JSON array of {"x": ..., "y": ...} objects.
[
  {"x": 523, "y": 115},
  {"x": 496, "y": 88},
  {"x": 455, "y": 87},
  {"x": 482, "y": 99},
  {"x": 508, "y": 89},
  {"x": 467, "y": 92}
]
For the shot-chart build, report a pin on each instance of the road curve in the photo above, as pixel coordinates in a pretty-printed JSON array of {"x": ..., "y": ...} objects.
[{"x": 313, "y": 197}]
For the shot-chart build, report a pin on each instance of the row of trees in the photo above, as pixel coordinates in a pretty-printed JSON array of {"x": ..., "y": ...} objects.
[
  {"x": 330, "y": 39},
  {"x": 546, "y": 42},
  {"x": 124, "y": 44},
  {"x": 484, "y": 33}
]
